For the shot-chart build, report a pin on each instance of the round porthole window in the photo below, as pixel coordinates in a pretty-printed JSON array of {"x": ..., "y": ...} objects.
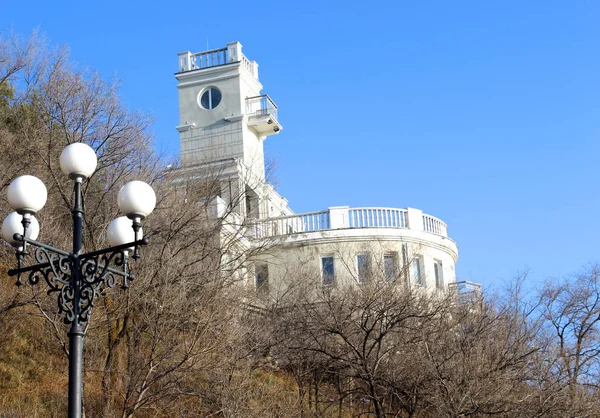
[{"x": 210, "y": 98}]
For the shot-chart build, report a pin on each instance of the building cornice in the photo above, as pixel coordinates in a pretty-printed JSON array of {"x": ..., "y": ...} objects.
[{"x": 354, "y": 235}]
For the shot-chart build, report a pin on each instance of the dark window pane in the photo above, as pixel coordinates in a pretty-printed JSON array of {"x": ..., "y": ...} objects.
[
  {"x": 439, "y": 280},
  {"x": 364, "y": 267},
  {"x": 389, "y": 263},
  {"x": 328, "y": 272},
  {"x": 262, "y": 278},
  {"x": 216, "y": 98},
  {"x": 417, "y": 271},
  {"x": 204, "y": 100}
]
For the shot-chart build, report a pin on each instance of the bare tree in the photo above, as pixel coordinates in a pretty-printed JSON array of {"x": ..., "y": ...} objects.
[{"x": 571, "y": 313}]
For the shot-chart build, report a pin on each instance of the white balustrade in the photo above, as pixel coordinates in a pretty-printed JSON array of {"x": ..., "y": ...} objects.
[
  {"x": 356, "y": 218},
  {"x": 248, "y": 65},
  {"x": 434, "y": 225},
  {"x": 376, "y": 218},
  {"x": 215, "y": 57},
  {"x": 295, "y": 224},
  {"x": 209, "y": 58}
]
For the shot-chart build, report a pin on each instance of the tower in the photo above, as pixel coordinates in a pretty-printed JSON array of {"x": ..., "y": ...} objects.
[{"x": 224, "y": 120}]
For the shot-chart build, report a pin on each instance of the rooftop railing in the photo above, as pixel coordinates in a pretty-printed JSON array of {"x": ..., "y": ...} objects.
[
  {"x": 294, "y": 224},
  {"x": 215, "y": 57},
  {"x": 434, "y": 225},
  {"x": 376, "y": 218},
  {"x": 209, "y": 58},
  {"x": 347, "y": 218},
  {"x": 261, "y": 106}
]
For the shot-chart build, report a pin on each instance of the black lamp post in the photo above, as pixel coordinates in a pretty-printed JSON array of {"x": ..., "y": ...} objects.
[{"x": 76, "y": 277}]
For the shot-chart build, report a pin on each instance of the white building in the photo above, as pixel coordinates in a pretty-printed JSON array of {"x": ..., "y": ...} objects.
[{"x": 224, "y": 119}]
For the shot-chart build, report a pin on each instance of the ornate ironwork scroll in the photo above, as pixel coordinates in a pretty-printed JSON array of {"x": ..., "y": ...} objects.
[{"x": 77, "y": 279}]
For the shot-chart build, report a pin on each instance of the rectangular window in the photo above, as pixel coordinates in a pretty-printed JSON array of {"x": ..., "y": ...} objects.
[
  {"x": 363, "y": 267},
  {"x": 390, "y": 265},
  {"x": 439, "y": 274},
  {"x": 261, "y": 278},
  {"x": 327, "y": 270},
  {"x": 416, "y": 265}
]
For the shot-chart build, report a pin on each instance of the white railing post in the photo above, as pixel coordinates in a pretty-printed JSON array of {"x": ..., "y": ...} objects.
[
  {"x": 234, "y": 51},
  {"x": 338, "y": 217},
  {"x": 414, "y": 219},
  {"x": 254, "y": 68},
  {"x": 185, "y": 61}
]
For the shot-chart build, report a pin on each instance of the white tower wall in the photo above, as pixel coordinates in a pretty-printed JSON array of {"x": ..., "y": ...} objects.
[{"x": 227, "y": 139}]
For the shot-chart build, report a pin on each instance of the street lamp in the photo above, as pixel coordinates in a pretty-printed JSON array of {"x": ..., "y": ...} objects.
[{"x": 75, "y": 276}]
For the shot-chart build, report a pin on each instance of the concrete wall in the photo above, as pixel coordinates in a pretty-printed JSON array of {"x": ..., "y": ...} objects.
[
  {"x": 299, "y": 255},
  {"x": 208, "y": 135}
]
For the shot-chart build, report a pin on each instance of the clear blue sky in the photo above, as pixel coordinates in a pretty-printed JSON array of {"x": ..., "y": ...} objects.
[{"x": 484, "y": 114}]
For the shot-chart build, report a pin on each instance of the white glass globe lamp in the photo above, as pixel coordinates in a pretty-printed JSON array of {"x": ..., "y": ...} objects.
[
  {"x": 120, "y": 231},
  {"x": 136, "y": 199},
  {"x": 12, "y": 225},
  {"x": 27, "y": 194},
  {"x": 78, "y": 160}
]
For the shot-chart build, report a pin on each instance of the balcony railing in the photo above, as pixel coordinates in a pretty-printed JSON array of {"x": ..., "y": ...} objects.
[
  {"x": 466, "y": 292},
  {"x": 261, "y": 106},
  {"x": 347, "y": 218}
]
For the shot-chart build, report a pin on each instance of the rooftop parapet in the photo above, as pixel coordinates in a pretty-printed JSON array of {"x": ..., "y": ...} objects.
[
  {"x": 216, "y": 57},
  {"x": 344, "y": 217}
]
